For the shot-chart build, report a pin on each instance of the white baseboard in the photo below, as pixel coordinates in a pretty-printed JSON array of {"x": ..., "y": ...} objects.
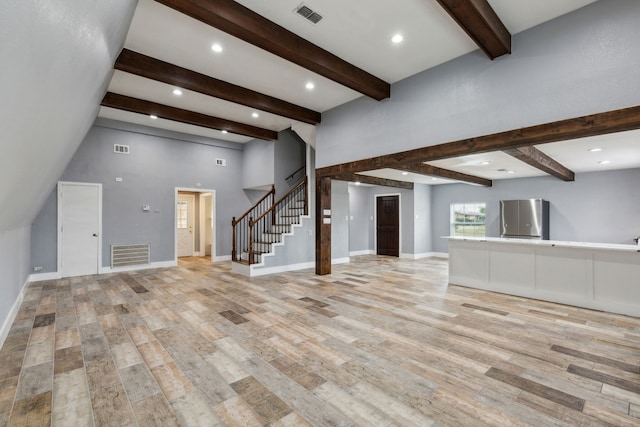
[
  {"x": 253, "y": 272},
  {"x": 8, "y": 321},
  {"x": 425, "y": 255},
  {"x": 39, "y": 277},
  {"x": 222, "y": 258},
  {"x": 160, "y": 264},
  {"x": 365, "y": 252},
  {"x": 345, "y": 260}
]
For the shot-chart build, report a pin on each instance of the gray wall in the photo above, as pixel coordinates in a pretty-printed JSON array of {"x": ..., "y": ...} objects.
[
  {"x": 258, "y": 166},
  {"x": 339, "y": 221},
  {"x": 155, "y": 167},
  {"x": 597, "y": 207},
  {"x": 581, "y": 63},
  {"x": 415, "y": 211},
  {"x": 14, "y": 268},
  {"x": 290, "y": 154},
  {"x": 361, "y": 218},
  {"x": 422, "y": 218}
]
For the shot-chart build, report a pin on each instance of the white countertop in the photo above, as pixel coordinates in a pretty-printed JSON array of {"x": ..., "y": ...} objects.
[{"x": 550, "y": 243}]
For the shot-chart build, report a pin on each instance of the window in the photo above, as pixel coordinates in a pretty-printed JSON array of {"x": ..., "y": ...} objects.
[
  {"x": 181, "y": 215},
  {"x": 467, "y": 219}
]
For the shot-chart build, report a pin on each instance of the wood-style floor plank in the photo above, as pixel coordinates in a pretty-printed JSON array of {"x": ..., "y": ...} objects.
[{"x": 381, "y": 341}]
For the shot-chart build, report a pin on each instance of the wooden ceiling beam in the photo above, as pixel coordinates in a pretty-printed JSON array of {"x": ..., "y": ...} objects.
[
  {"x": 539, "y": 160},
  {"x": 596, "y": 124},
  {"x": 141, "y": 106},
  {"x": 155, "y": 69},
  {"x": 478, "y": 19},
  {"x": 425, "y": 169},
  {"x": 243, "y": 23},
  {"x": 365, "y": 179}
]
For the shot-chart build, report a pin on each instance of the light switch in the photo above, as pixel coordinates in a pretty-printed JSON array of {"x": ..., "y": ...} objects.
[{"x": 118, "y": 179}]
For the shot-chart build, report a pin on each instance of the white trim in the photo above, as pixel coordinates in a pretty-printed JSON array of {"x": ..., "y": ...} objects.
[
  {"x": 39, "y": 277},
  {"x": 375, "y": 220},
  {"x": 425, "y": 255},
  {"x": 256, "y": 270},
  {"x": 11, "y": 316},
  {"x": 222, "y": 258},
  {"x": 345, "y": 260},
  {"x": 159, "y": 264},
  {"x": 365, "y": 252},
  {"x": 213, "y": 220},
  {"x": 60, "y": 215},
  {"x": 197, "y": 254}
]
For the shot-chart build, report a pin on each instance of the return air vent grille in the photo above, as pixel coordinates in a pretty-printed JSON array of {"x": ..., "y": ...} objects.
[
  {"x": 120, "y": 149},
  {"x": 130, "y": 254},
  {"x": 221, "y": 162},
  {"x": 307, "y": 13}
]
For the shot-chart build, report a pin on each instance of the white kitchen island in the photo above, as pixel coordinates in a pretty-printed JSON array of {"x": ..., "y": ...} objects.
[{"x": 591, "y": 275}]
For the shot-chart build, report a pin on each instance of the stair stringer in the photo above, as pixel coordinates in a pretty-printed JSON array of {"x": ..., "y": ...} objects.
[{"x": 294, "y": 251}]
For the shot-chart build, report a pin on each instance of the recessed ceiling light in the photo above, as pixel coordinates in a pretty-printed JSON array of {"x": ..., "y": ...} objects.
[
  {"x": 595, "y": 150},
  {"x": 511, "y": 171},
  {"x": 434, "y": 179},
  {"x": 255, "y": 115},
  {"x": 153, "y": 117},
  {"x": 405, "y": 173},
  {"x": 357, "y": 182},
  {"x": 177, "y": 92},
  {"x": 216, "y": 48},
  {"x": 485, "y": 163},
  {"x": 224, "y": 131},
  {"x": 310, "y": 86},
  {"x": 397, "y": 38},
  {"x": 604, "y": 162}
]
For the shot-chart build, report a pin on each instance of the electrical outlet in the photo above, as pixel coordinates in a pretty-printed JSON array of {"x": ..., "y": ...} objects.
[{"x": 38, "y": 268}]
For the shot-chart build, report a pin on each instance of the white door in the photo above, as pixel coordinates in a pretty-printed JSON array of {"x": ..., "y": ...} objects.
[
  {"x": 185, "y": 214},
  {"x": 79, "y": 215}
]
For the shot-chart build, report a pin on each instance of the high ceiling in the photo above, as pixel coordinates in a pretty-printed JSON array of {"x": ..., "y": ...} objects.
[{"x": 358, "y": 32}]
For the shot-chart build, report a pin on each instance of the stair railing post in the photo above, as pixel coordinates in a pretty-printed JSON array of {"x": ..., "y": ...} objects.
[
  {"x": 273, "y": 198},
  {"x": 306, "y": 196},
  {"x": 250, "y": 240},
  {"x": 233, "y": 239}
]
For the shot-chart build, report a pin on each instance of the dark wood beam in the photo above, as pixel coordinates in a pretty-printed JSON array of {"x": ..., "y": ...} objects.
[
  {"x": 366, "y": 179},
  {"x": 539, "y": 160},
  {"x": 151, "y": 68},
  {"x": 425, "y": 169},
  {"x": 323, "y": 227},
  {"x": 141, "y": 106},
  {"x": 478, "y": 19},
  {"x": 596, "y": 124},
  {"x": 243, "y": 23}
]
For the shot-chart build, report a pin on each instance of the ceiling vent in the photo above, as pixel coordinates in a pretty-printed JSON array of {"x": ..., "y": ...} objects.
[
  {"x": 307, "y": 13},
  {"x": 120, "y": 149}
]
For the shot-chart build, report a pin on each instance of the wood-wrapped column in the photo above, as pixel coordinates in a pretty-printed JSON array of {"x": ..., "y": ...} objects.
[{"x": 323, "y": 225}]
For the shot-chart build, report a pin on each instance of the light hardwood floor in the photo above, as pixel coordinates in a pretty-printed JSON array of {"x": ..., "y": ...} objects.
[{"x": 380, "y": 342}]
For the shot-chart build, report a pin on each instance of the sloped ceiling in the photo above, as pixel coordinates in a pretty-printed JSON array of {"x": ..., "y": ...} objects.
[{"x": 57, "y": 61}]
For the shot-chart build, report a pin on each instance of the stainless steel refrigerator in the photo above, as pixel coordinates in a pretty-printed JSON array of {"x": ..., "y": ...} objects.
[{"x": 524, "y": 219}]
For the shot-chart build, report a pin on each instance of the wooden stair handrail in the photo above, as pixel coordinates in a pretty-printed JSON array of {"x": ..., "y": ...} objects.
[
  {"x": 280, "y": 200},
  {"x": 270, "y": 193}
]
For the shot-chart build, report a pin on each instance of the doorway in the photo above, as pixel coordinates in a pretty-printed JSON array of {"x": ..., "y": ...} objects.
[
  {"x": 194, "y": 223},
  {"x": 388, "y": 225},
  {"x": 79, "y": 228}
]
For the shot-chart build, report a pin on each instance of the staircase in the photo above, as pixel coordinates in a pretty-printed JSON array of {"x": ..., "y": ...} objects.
[{"x": 265, "y": 223}]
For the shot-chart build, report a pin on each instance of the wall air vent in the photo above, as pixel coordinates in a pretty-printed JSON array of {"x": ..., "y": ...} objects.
[
  {"x": 120, "y": 149},
  {"x": 221, "y": 162},
  {"x": 307, "y": 13}
]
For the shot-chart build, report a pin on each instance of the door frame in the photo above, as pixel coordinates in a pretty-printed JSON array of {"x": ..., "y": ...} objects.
[
  {"x": 60, "y": 217},
  {"x": 375, "y": 221},
  {"x": 201, "y": 248}
]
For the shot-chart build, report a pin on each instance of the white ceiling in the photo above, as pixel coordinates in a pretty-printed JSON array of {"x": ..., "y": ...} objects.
[{"x": 358, "y": 31}]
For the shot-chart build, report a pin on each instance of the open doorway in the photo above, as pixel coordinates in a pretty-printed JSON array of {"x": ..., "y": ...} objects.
[{"x": 194, "y": 223}]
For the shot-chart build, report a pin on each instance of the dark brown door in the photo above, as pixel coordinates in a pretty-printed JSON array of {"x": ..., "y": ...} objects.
[{"x": 388, "y": 226}]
